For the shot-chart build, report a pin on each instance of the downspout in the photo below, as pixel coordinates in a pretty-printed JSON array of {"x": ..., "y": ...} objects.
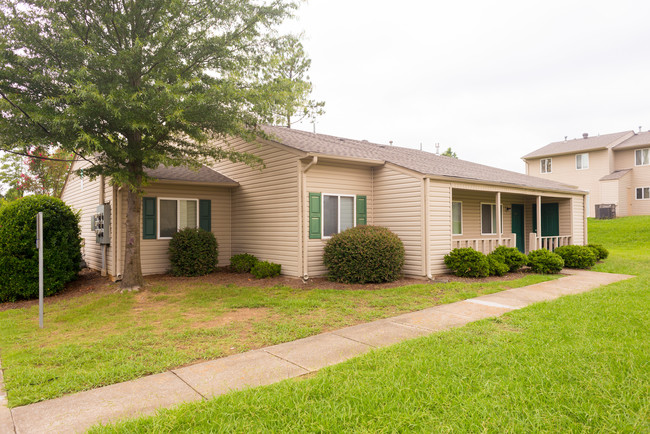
[
  {"x": 117, "y": 235},
  {"x": 114, "y": 232},
  {"x": 305, "y": 239},
  {"x": 427, "y": 226},
  {"x": 102, "y": 186}
]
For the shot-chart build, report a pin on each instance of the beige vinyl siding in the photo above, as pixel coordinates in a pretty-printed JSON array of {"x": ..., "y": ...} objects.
[
  {"x": 439, "y": 215},
  {"x": 639, "y": 177},
  {"x": 609, "y": 192},
  {"x": 397, "y": 205},
  {"x": 334, "y": 178},
  {"x": 472, "y": 201},
  {"x": 85, "y": 201},
  {"x": 265, "y": 205},
  {"x": 154, "y": 255},
  {"x": 578, "y": 237},
  {"x": 625, "y": 196}
]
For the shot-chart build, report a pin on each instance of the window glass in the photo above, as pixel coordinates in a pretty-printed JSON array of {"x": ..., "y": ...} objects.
[
  {"x": 347, "y": 213},
  {"x": 457, "y": 218},
  {"x": 643, "y": 193},
  {"x": 642, "y": 157},
  {"x": 187, "y": 209},
  {"x": 545, "y": 165},
  {"x": 582, "y": 161},
  {"x": 330, "y": 215},
  {"x": 486, "y": 219},
  {"x": 167, "y": 218}
]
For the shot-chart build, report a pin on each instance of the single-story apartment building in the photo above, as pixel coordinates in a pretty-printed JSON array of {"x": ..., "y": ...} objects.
[{"x": 316, "y": 185}]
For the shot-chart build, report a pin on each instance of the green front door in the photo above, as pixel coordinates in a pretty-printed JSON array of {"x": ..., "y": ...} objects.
[
  {"x": 550, "y": 219},
  {"x": 518, "y": 225}
]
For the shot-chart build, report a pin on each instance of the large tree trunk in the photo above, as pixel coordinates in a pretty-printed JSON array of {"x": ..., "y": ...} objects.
[{"x": 132, "y": 277}]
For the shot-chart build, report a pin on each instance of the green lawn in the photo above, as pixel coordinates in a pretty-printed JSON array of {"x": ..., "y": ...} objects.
[
  {"x": 580, "y": 363},
  {"x": 105, "y": 338}
]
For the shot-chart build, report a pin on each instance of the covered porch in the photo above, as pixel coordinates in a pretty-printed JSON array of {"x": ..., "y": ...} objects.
[{"x": 477, "y": 224}]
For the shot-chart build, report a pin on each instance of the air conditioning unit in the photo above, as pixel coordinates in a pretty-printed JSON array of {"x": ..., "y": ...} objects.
[{"x": 606, "y": 211}]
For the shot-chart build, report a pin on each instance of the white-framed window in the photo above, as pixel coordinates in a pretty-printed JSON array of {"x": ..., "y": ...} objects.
[
  {"x": 338, "y": 213},
  {"x": 545, "y": 165},
  {"x": 642, "y": 157},
  {"x": 176, "y": 214},
  {"x": 643, "y": 193},
  {"x": 457, "y": 218},
  {"x": 489, "y": 218},
  {"x": 582, "y": 161}
]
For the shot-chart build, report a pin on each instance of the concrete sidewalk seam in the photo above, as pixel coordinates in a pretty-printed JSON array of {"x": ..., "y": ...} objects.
[
  {"x": 309, "y": 371},
  {"x": 353, "y": 340},
  {"x": 188, "y": 384},
  {"x": 415, "y": 327}
]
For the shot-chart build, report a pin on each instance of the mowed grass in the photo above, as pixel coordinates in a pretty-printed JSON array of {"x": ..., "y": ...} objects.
[
  {"x": 105, "y": 338},
  {"x": 577, "y": 364}
]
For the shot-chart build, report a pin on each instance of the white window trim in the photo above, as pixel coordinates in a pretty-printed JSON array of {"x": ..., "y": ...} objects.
[
  {"x": 642, "y": 149},
  {"x": 540, "y": 165},
  {"x": 636, "y": 194},
  {"x": 582, "y": 161},
  {"x": 481, "y": 214},
  {"x": 461, "y": 217},
  {"x": 178, "y": 214},
  {"x": 338, "y": 217}
]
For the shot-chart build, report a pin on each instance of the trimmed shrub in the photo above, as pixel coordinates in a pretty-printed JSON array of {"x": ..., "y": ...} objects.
[
  {"x": 264, "y": 269},
  {"x": 18, "y": 252},
  {"x": 467, "y": 262},
  {"x": 545, "y": 262},
  {"x": 243, "y": 263},
  {"x": 510, "y": 256},
  {"x": 364, "y": 254},
  {"x": 600, "y": 251},
  {"x": 193, "y": 252},
  {"x": 497, "y": 267},
  {"x": 577, "y": 256}
]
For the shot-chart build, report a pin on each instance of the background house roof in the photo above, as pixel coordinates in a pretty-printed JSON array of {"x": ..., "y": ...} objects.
[
  {"x": 413, "y": 159},
  {"x": 639, "y": 140},
  {"x": 617, "y": 174},
  {"x": 184, "y": 174},
  {"x": 576, "y": 145}
]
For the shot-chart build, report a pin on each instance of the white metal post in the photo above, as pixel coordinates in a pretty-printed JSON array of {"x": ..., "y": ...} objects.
[{"x": 39, "y": 239}]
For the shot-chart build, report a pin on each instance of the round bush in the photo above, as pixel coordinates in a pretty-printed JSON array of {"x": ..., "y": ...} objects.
[
  {"x": 364, "y": 254},
  {"x": 243, "y": 263},
  {"x": 265, "y": 269},
  {"x": 510, "y": 256},
  {"x": 600, "y": 251},
  {"x": 193, "y": 252},
  {"x": 18, "y": 252},
  {"x": 577, "y": 256},
  {"x": 467, "y": 262},
  {"x": 545, "y": 262},
  {"x": 497, "y": 267}
]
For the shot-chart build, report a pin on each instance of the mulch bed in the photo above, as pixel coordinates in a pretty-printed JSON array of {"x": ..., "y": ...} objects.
[{"x": 91, "y": 281}]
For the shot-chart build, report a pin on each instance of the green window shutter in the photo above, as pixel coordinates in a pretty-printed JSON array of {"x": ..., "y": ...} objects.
[
  {"x": 362, "y": 211},
  {"x": 149, "y": 218},
  {"x": 205, "y": 214},
  {"x": 314, "y": 215}
]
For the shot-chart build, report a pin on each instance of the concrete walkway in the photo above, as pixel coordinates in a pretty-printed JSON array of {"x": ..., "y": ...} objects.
[{"x": 79, "y": 411}]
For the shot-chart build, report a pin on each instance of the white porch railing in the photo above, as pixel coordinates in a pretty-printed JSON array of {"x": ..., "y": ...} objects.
[
  {"x": 548, "y": 243},
  {"x": 484, "y": 245}
]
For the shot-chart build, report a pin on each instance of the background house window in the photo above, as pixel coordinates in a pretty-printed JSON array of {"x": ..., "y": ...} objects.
[
  {"x": 489, "y": 219},
  {"x": 338, "y": 214},
  {"x": 582, "y": 161},
  {"x": 545, "y": 165},
  {"x": 642, "y": 157},
  {"x": 457, "y": 218},
  {"x": 177, "y": 214},
  {"x": 643, "y": 193}
]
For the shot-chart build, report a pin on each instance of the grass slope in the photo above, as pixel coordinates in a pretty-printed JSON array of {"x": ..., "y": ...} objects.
[{"x": 580, "y": 363}]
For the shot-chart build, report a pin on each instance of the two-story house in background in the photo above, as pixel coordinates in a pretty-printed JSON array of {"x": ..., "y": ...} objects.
[{"x": 613, "y": 168}]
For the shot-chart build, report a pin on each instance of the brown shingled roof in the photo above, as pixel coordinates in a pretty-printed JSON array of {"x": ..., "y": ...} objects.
[
  {"x": 639, "y": 140},
  {"x": 577, "y": 145},
  {"x": 180, "y": 173},
  {"x": 413, "y": 159},
  {"x": 617, "y": 174}
]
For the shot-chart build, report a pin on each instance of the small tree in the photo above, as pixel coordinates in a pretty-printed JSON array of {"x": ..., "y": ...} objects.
[
  {"x": 40, "y": 171},
  {"x": 450, "y": 153}
]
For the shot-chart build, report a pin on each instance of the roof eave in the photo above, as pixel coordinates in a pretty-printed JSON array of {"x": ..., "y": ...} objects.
[
  {"x": 504, "y": 184},
  {"x": 357, "y": 160},
  {"x": 187, "y": 182}
]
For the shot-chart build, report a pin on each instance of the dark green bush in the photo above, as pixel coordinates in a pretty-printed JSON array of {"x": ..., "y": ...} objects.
[
  {"x": 364, "y": 254},
  {"x": 18, "y": 252},
  {"x": 193, "y": 252},
  {"x": 467, "y": 262},
  {"x": 510, "y": 256},
  {"x": 265, "y": 269},
  {"x": 577, "y": 256},
  {"x": 497, "y": 267},
  {"x": 600, "y": 251},
  {"x": 243, "y": 263},
  {"x": 545, "y": 262}
]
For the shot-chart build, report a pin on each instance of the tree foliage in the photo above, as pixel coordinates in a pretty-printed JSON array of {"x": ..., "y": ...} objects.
[
  {"x": 41, "y": 171},
  {"x": 130, "y": 85},
  {"x": 449, "y": 153}
]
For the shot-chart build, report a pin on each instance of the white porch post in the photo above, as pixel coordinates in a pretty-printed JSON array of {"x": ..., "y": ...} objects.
[
  {"x": 539, "y": 221},
  {"x": 499, "y": 217}
]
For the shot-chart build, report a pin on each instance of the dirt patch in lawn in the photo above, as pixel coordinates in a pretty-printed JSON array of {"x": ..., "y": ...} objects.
[{"x": 244, "y": 314}]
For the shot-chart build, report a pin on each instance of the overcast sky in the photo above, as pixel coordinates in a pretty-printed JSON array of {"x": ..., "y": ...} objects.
[{"x": 493, "y": 80}]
